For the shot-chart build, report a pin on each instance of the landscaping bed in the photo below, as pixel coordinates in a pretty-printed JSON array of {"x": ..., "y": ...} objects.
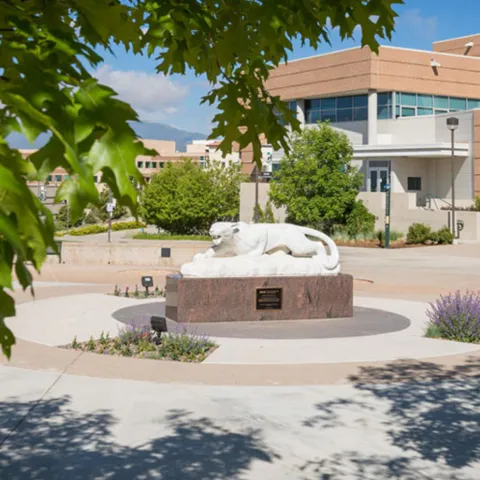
[
  {"x": 136, "y": 293},
  {"x": 167, "y": 236},
  {"x": 456, "y": 317},
  {"x": 143, "y": 342}
]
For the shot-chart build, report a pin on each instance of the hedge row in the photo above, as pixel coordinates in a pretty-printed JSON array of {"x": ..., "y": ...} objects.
[
  {"x": 92, "y": 229},
  {"x": 419, "y": 234}
]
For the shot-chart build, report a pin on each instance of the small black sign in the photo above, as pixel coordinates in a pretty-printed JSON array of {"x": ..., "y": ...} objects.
[
  {"x": 165, "y": 252},
  {"x": 269, "y": 298}
]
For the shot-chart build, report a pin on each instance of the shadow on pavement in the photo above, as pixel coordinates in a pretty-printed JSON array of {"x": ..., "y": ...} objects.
[
  {"x": 55, "y": 442},
  {"x": 433, "y": 416}
]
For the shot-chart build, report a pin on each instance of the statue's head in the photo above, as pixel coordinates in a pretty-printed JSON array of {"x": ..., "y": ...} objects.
[{"x": 223, "y": 232}]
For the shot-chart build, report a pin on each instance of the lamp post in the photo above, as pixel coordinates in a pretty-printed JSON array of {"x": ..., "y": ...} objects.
[
  {"x": 256, "y": 215},
  {"x": 452, "y": 125}
]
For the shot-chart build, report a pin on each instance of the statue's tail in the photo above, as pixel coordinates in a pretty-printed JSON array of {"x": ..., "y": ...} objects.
[{"x": 334, "y": 257}]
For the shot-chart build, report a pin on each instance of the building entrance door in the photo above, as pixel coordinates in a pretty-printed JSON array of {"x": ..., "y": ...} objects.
[{"x": 377, "y": 176}]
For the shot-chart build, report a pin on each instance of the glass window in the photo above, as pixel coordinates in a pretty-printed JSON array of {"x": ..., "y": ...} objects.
[
  {"x": 414, "y": 183},
  {"x": 312, "y": 104},
  {"x": 472, "y": 103},
  {"x": 344, "y": 102},
  {"x": 292, "y": 105},
  {"x": 360, "y": 113},
  {"x": 202, "y": 158},
  {"x": 408, "y": 112},
  {"x": 313, "y": 116},
  {"x": 140, "y": 164},
  {"x": 458, "y": 103},
  {"x": 384, "y": 98},
  {"x": 330, "y": 115},
  {"x": 440, "y": 102},
  {"x": 397, "y": 111},
  {"x": 328, "y": 103},
  {"x": 58, "y": 178},
  {"x": 360, "y": 101},
  {"x": 440, "y": 111},
  {"x": 344, "y": 115},
  {"x": 154, "y": 164},
  {"x": 409, "y": 99},
  {"x": 424, "y": 100},
  {"x": 49, "y": 178},
  {"x": 148, "y": 164},
  {"x": 161, "y": 164},
  {"x": 336, "y": 109},
  {"x": 275, "y": 167},
  {"x": 424, "y": 111},
  {"x": 384, "y": 112}
]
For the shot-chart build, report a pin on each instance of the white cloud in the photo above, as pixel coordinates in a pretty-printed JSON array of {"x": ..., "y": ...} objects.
[
  {"x": 153, "y": 96},
  {"x": 418, "y": 25}
]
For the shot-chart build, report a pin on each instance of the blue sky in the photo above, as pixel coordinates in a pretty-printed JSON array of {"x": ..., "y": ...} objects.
[{"x": 176, "y": 100}]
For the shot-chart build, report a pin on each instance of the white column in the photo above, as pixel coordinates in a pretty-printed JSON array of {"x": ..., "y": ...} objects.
[
  {"x": 301, "y": 112},
  {"x": 372, "y": 117}
]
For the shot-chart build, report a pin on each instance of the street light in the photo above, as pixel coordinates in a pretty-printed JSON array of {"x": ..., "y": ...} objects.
[{"x": 452, "y": 125}]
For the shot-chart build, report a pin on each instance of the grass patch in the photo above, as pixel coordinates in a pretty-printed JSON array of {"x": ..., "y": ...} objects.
[
  {"x": 142, "y": 342},
  {"x": 168, "y": 236}
]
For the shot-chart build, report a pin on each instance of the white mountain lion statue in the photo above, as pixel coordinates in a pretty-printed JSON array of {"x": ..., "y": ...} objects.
[{"x": 241, "y": 249}]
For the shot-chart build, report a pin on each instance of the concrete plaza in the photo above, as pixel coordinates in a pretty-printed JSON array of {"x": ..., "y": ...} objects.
[{"x": 68, "y": 414}]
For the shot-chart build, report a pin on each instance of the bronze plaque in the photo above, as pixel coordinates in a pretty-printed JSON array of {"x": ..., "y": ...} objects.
[{"x": 269, "y": 298}]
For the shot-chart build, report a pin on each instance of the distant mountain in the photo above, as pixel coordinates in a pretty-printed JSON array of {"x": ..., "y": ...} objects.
[
  {"x": 152, "y": 131},
  {"x": 160, "y": 131}
]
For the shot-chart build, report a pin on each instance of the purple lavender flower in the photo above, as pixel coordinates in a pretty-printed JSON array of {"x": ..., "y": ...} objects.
[{"x": 457, "y": 316}]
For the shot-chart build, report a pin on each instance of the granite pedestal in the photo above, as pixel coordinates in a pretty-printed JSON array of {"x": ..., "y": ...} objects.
[{"x": 233, "y": 299}]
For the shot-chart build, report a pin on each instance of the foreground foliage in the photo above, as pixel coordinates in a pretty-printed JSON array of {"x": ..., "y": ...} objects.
[
  {"x": 456, "y": 316},
  {"x": 48, "y": 50},
  {"x": 142, "y": 342}
]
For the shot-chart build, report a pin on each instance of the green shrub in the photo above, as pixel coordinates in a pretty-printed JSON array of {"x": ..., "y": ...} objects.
[
  {"x": 394, "y": 235},
  {"x": 127, "y": 225},
  {"x": 90, "y": 230},
  {"x": 91, "y": 219},
  {"x": 444, "y": 236},
  {"x": 360, "y": 221},
  {"x": 476, "y": 204},
  {"x": 168, "y": 236},
  {"x": 419, "y": 233},
  {"x": 265, "y": 215}
]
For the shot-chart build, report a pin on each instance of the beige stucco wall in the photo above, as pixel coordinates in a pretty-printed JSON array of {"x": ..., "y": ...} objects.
[
  {"x": 403, "y": 211},
  {"x": 134, "y": 252}
]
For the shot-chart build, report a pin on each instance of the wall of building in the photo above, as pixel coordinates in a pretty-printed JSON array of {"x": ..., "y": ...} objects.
[
  {"x": 360, "y": 70},
  {"x": 408, "y": 70},
  {"x": 425, "y": 130},
  {"x": 476, "y": 152},
  {"x": 336, "y": 72},
  {"x": 163, "y": 147},
  {"x": 403, "y": 211},
  {"x": 357, "y": 132},
  {"x": 247, "y": 202},
  {"x": 457, "y": 46}
]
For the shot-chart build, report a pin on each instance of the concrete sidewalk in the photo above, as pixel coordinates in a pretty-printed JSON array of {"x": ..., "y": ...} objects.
[{"x": 58, "y": 426}]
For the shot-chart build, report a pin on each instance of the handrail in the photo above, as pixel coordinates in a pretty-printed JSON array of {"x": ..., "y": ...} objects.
[{"x": 429, "y": 197}]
